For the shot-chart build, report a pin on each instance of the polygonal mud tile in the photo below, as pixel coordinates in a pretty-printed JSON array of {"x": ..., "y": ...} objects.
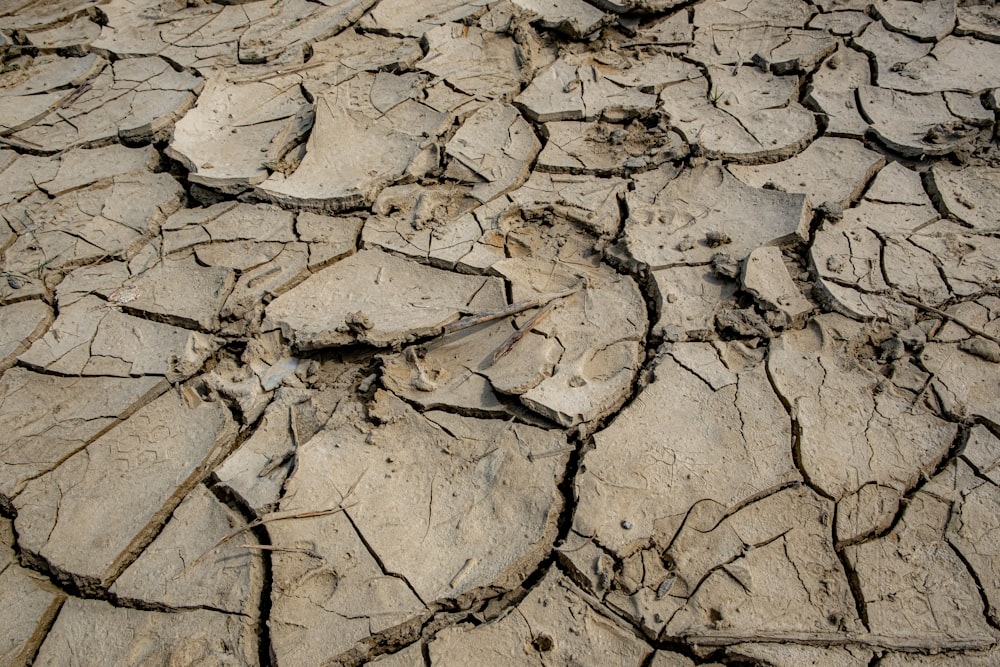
[
  {"x": 768, "y": 568},
  {"x": 570, "y": 89},
  {"x": 185, "y": 567},
  {"x": 971, "y": 195},
  {"x": 914, "y": 588},
  {"x": 238, "y": 131},
  {"x": 981, "y": 21},
  {"x": 379, "y": 299},
  {"x": 292, "y": 25},
  {"x": 79, "y": 410},
  {"x": 736, "y": 12},
  {"x": 110, "y": 217},
  {"x": 663, "y": 453},
  {"x": 31, "y": 604},
  {"x": 473, "y": 61},
  {"x": 924, "y": 20},
  {"x": 830, "y": 171},
  {"x": 741, "y": 114},
  {"x": 492, "y": 151},
  {"x": 832, "y": 90},
  {"x": 21, "y": 324},
  {"x": 85, "y": 525},
  {"x": 705, "y": 211},
  {"x": 389, "y": 129},
  {"x": 92, "y": 632},
  {"x": 916, "y": 125},
  {"x": 556, "y": 624},
  {"x": 854, "y": 428},
  {"x": 780, "y": 49},
  {"x": 134, "y": 100}
]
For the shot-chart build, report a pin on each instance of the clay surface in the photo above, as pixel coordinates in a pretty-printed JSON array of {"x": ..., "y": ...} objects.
[{"x": 546, "y": 332}]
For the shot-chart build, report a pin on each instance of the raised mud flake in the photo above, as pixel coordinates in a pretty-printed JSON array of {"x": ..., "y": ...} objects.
[
  {"x": 767, "y": 569},
  {"x": 183, "y": 568},
  {"x": 86, "y": 525},
  {"x": 957, "y": 64},
  {"x": 744, "y": 115},
  {"x": 855, "y": 428},
  {"x": 968, "y": 659},
  {"x": 913, "y": 586},
  {"x": 79, "y": 410},
  {"x": 20, "y": 325},
  {"x": 923, "y": 20},
  {"x": 916, "y": 125},
  {"x": 134, "y": 100},
  {"x": 981, "y": 21},
  {"x": 830, "y": 171},
  {"x": 293, "y": 24},
  {"x": 92, "y": 632},
  {"x": 556, "y": 624},
  {"x": 971, "y": 194},
  {"x": 576, "y": 89},
  {"x": 726, "y": 444},
  {"x": 676, "y": 225},
  {"x": 598, "y": 330},
  {"x": 604, "y": 149},
  {"x": 492, "y": 151},
  {"x": 237, "y": 132},
  {"x": 832, "y": 90},
  {"x": 689, "y": 298},
  {"x": 113, "y": 217},
  {"x": 475, "y": 62},
  {"x": 575, "y": 18},
  {"x": 767, "y": 279},
  {"x": 376, "y": 298},
  {"x": 30, "y": 604},
  {"x": 390, "y": 133}
]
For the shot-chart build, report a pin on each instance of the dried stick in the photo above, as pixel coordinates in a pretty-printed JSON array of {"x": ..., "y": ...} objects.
[
  {"x": 512, "y": 309},
  {"x": 940, "y": 313},
  {"x": 520, "y": 333}
]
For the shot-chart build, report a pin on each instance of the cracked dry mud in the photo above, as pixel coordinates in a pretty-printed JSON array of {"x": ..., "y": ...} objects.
[{"x": 500, "y": 332}]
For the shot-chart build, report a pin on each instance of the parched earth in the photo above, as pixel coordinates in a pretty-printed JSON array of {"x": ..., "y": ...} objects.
[{"x": 548, "y": 332}]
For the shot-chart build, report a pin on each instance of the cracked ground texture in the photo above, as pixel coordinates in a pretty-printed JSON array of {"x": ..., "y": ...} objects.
[{"x": 500, "y": 332}]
